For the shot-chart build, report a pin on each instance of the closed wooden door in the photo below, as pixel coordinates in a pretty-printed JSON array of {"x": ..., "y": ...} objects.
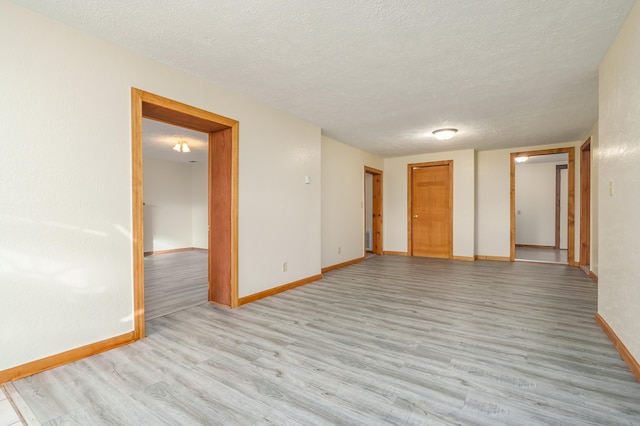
[{"x": 431, "y": 218}]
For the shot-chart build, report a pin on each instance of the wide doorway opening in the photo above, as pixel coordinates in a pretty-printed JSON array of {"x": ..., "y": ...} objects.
[
  {"x": 542, "y": 205},
  {"x": 221, "y": 196},
  {"x": 176, "y": 217}
]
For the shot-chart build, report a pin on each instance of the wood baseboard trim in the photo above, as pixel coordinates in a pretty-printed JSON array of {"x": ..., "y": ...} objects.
[
  {"x": 593, "y": 276},
  {"x": 343, "y": 264},
  {"x": 494, "y": 258},
  {"x": 66, "y": 357},
  {"x": 465, "y": 258},
  {"x": 626, "y": 356},
  {"x": 395, "y": 253},
  {"x": 178, "y": 250},
  {"x": 272, "y": 291}
]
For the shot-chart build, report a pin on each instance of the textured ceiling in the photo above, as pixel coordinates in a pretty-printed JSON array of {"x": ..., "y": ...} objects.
[
  {"x": 382, "y": 74},
  {"x": 158, "y": 140}
]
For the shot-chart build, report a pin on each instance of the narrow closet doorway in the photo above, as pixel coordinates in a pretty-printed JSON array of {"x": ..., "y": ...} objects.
[{"x": 372, "y": 211}]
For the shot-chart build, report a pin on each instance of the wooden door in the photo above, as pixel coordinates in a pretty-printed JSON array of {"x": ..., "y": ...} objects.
[
  {"x": 377, "y": 213},
  {"x": 431, "y": 212}
]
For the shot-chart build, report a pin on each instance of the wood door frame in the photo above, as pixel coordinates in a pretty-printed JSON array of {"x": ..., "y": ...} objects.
[
  {"x": 148, "y": 105},
  {"x": 585, "y": 203},
  {"x": 376, "y": 228},
  {"x": 559, "y": 169},
  {"x": 410, "y": 168},
  {"x": 571, "y": 198}
]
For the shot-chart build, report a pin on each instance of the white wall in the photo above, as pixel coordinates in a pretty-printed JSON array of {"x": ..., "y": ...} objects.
[
  {"x": 493, "y": 199},
  {"x": 536, "y": 204},
  {"x": 176, "y": 205},
  {"x": 343, "y": 200},
  {"x": 619, "y": 164},
  {"x": 168, "y": 222},
  {"x": 200, "y": 205},
  {"x": 395, "y": 200},
  {"x": 492, "y": 203},
  {"x": 65, "y": 214}
]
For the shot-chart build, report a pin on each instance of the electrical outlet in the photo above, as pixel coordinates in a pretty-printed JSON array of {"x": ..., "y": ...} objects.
[
  {"x": 284, "y": 266},
  {"x": 339, "y": 250}
]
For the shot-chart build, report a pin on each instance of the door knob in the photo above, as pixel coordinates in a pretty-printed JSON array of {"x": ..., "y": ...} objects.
[{"x": 415, "y": 216}]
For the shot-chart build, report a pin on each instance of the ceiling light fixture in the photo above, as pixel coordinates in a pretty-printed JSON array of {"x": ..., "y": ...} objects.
[
  {"x": 182, "y": 146},
  {"x": 521, "y": 159},
  {"x": 444, "y": 134}
]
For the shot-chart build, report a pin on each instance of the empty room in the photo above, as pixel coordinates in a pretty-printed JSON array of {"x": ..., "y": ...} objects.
[{"x": 247, "y": 212}]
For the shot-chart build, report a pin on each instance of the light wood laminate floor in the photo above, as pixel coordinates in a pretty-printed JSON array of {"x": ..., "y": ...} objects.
[
  {"x": 539, "y": 254},
  {"x": 174, "y": 281},
  {"x": 392, "y": 340}
]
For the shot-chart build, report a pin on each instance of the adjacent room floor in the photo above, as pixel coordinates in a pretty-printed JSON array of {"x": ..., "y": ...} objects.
[
  {"x": 174, "y": 281},
  {"x": 538, "y": 254},
  {"x": 392, "y": 340}
]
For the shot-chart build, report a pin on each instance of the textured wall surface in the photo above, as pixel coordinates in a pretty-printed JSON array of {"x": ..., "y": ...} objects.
[
  {"x": 619, "y": 183},
  {"x": 176, "y": 205},
  {"x": 536, "y": 205},
  {"x": 200, "y": 206},
  {"x": 65, "y": 179},
  {"x": 342, "y": 200},
  {"x": 168, "y": 205}
]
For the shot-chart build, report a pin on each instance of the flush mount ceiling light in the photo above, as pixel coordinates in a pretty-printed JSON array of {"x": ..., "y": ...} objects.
[
  {"x": 521, "y": 159},
  {"x": 182, "y": 146},
  {"x": 444, "y": 134}
]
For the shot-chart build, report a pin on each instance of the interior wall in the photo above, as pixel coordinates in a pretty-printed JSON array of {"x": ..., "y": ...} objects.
[
  {"x": 493, "y": 197},
  {"x": 168, "y": 203},
  {"x": 200, "y": 205},
  {"x": 343, "y": 200},
  {"x": 395, "y": 200},
  {"x": 618, "y": 183},
  {"x": 66, "y": 256},
  {"x": 536, "y": 204}
]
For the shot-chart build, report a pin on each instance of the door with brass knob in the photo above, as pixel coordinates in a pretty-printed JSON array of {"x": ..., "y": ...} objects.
[{"x": 431, "y": 201}]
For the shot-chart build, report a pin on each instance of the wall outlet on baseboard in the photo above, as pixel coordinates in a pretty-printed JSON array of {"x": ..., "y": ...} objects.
[{"x": 284, "y": 266}]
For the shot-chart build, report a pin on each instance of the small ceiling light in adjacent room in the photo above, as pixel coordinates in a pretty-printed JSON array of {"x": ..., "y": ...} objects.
[
  {"x": 521, "y": 159},
  {"x": 444, "y": 134},
  {"x": 182, "y": 146}
]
